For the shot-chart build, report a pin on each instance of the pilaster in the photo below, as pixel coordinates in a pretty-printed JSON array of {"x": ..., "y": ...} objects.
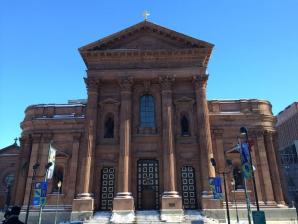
[
  {"x": 267, "y": 192},
  {"x": 273, "y": 165},
  {"x": 36, "y": 140}
]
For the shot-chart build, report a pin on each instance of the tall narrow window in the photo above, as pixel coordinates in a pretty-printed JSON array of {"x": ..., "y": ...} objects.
[
  {"x": 57, "y": 177},
  {"x": 109, "y": 127},
  {"x": 184, "y": 126},
  {"x": 238, "y": 177},
  {"x": 147, "y": 112}
]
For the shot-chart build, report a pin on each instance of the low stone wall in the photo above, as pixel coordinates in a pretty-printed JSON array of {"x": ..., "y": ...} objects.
[
  {"x": 46, "y": 218},
  {"x": 273, "y": 215}
]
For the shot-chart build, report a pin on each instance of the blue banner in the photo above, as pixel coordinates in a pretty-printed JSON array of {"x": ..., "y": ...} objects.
[
  {"x": 245, "y": 161},
  {"x": 215, "y": 185},
  {"x": 40, "y": 193}
]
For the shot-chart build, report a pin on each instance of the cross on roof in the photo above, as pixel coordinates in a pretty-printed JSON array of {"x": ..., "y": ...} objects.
[{"x": 146, "y": 14}]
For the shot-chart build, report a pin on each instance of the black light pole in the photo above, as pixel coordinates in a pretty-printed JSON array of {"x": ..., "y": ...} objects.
[
  {"x": 213, "y": 162},
  {"x": 243, "y": 130},
  {"x": 35, "y": 167}
]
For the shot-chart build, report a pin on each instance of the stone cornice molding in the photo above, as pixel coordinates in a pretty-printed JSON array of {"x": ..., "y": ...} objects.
[
  {"x": 184, "y": 100},
  {"x": 126, "y": 83},
  {"x": 109, "y": 101},
  {"x": 92, "y": 84},
  {"x": 166, "y": 82},
  {"x": 200, "y": 81}
]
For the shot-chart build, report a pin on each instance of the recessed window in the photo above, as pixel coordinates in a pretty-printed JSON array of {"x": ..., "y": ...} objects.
[
  {"x": 147, "y": 112},
  {"x": 238, "y": 177},
  {"x": 57, "y": 177},
  {"x": 109, "y": 126},
  {"x": 184, "y": 124}
]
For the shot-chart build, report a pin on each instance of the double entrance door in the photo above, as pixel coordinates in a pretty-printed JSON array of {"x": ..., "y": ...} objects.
[{"x": 147, "y": 184}]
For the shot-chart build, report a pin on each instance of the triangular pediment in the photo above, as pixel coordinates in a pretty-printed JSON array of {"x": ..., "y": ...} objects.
[{"x": 146, "y": 36}]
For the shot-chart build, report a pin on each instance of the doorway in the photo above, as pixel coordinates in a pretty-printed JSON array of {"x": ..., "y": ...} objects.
[
  {"x": 107, "y": 188},
  {"x": 148, "y": 184}
]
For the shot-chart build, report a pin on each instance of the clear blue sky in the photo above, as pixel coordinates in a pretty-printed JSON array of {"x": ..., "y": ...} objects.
[{"x": 255, "y": 54}]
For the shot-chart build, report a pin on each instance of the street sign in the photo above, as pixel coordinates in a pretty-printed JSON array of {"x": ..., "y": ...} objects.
[{"x": 40, "y": 193}]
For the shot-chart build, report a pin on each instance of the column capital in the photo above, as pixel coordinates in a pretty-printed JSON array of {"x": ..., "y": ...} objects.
[
  {"x": 47, "y": 137},
  {"x": 36, "y": 137},
  {"x": 92, "y": 84},
  {"x": 76, "y": 136},
  {"x": 166, "y": 82},
  {"x": 200, "y": 81},
  {"x": 125, "y": 83}
]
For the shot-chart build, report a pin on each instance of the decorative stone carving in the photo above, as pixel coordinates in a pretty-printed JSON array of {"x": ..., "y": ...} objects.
[
  {"x": 92, "y": 84},
  {"x": 200, "y": 81},
  {"x": 166, "y": 82},
  {"x": 126, "y": 83}
]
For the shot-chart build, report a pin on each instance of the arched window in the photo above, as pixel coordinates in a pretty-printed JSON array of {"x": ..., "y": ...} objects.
[
  {"x": 238, "y": 177},
  {"x": 147, "y": 112},
  {"x": 109, "y": 126},
  {"x": 57, "y": 177},
  {"x": 184, "y": 126}
]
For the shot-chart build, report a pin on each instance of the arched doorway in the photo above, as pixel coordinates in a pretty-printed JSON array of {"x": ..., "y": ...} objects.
[
  {"x": 148, "y": 184},
  {"x": 107, "y": 188},
  {"x": 188, "y": 182}
]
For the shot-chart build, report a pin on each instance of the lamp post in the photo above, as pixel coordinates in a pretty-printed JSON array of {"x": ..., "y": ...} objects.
[
  {"x": 35, "y": 167},
  {"x": 59, "y": 187},
  {"x": 244, "y": 131},
  {"x": 45, "y": 179},
  {"x": 223, "y": 173},
  {"x": 235, "y": 201}
]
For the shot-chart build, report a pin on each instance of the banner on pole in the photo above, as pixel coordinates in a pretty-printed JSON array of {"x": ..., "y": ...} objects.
[
  {"x": 40, "y": 193},
  {"x": 245, "y": 161},
  {"x": 51, "y": 159},
  {"x": 215, "y": 185}
]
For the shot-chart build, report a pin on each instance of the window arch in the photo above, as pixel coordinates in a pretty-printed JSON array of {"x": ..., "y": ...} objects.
[
  {"x": 147, "y": 112},
  {"x": 184, "y": 124},
  {"x": 109, "y": 126}
]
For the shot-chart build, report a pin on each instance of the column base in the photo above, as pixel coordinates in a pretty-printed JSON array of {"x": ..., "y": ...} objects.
[
  {"x": 82, "y": 207},
  {"x": 209, "y": 203},
  {"x": 171, "y": 207},
  {"x": 123, "y": 208}
]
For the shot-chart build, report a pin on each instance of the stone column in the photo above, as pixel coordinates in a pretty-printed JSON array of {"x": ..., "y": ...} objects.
[
  {"x": 84, "y": 203},
  {"x": 268, "y": 196},
  {"x": 204, "y": 135},
  {"x": 170, "y": 197},
  {"x": 36, "y": 138},
  {"x": 22, "y": 170},
  {"x": 273, "y": 165},
  {"x": 258, "y": 173},
  {"x": 124, "y": 200},
  {"x": 73, "y": 166}
]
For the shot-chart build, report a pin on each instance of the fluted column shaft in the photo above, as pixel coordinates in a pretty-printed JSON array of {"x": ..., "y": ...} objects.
[
  {"x": 169, "y": 168},
  {"x": 273, "y": 165},
  {"x": 125, "y": 135},
  {"x": 267, "y": 192},
  {"x": 91, "y": 124},
  {"x": 204, "y": 134}
]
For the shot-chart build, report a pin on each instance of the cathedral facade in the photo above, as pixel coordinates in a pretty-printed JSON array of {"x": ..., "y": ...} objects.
[{"x": 144, "y": 137}]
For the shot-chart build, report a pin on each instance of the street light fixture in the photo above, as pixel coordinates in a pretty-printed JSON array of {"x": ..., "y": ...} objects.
[
  {"x": 35, "y": 167},
  {"x": 224, "y": 173},
  {"x": 243, "y": 131}
]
